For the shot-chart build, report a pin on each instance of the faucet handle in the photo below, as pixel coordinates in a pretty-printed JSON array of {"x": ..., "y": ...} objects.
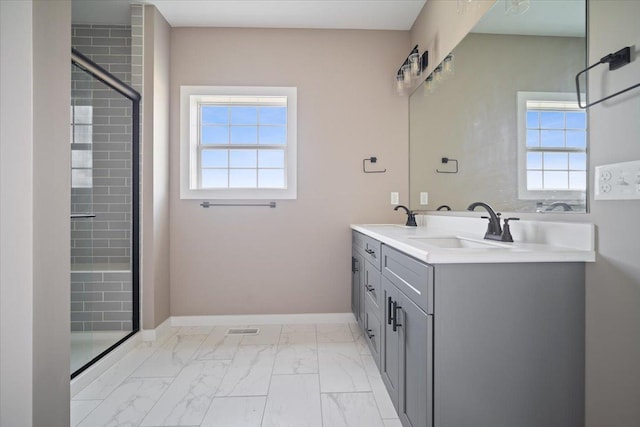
[
  {"x": 490, "y": 229},
  {"x": 506, "y": 232}
]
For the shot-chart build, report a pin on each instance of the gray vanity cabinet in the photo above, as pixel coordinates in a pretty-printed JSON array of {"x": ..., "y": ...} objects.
[
  {"x": 407, "y": 352},
  {"x": 483, "y": 345},
  {"x": 357, "y": 264}
]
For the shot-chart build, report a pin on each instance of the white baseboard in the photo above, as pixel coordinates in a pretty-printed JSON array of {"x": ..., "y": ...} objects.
[
  {"x": 158, "y": 332},
  {"x": 98, "y": 368},
  {"x": 262, "y": 319}
]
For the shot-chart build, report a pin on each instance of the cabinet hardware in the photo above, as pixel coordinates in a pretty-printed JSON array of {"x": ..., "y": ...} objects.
[
  {"x": 369, "y": 288},
  {"x": 370, "y": 252},
  {"x": 354, "y": 265},
  {"x": 396, "y": 307},
  {"x": 389, "y": 312},
  {"x": 369, "y": 334}
]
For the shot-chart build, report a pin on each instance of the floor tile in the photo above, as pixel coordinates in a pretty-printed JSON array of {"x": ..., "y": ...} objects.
[
  {"x": 218, "y": 345},
  {"x": 269, "y": 334},
  {"x": 350, "y": 410},
  {"x": 296, "y": 359},
  {"x": 235, "y": 412},
  {"x": 298, "y": 334},
  {"x": 334, "y": 332},
  {"x": 128, "y": 404},
  {"x": 249, "y": 372},
  {"x": 340, "y": 368},
  {"x": 170, "y": 358},
  {"x": 385, "y": 405},
  {"x": 195, "y": 330},
  {"x": 189, "y": 396},
  {"x": 102, "y": 386},
  {"x": 81, "y": 408},
  {"x": 293, "y": 401}
]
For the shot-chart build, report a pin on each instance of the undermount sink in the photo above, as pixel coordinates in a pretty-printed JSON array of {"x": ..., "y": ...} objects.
[{"x": 457, "y": 243}]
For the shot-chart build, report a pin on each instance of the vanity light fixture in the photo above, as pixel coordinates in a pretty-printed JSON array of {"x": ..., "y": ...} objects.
[
  {"x": 443, "y": 71},
  {"x": 448, "y": 68},
  {"x": 428, "y": 85},
  {"x": 410, "y": 69}
]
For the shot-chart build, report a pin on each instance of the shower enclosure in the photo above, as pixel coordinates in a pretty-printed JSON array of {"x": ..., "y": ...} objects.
[{"x": 105, "y": 213}]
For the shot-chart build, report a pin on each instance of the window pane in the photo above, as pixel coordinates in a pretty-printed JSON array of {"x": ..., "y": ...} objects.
[
  {"x": 273, "y": 115},
  {"x": 533, "y": 138},
  {"x": 244, "y": 134},
  {"x": 81, "y": 159},
  {"x": 552, "y": 138},
  {"x": 273, "y": 135},
  {"x": 578, "y": 180},
  {"x": 242, "y": 178},
  {"x": 578, "y": 161},
  {"x": 271, "y": 178},
  {"x": 534, "y": 180},
  {"x": 551, "y": 120},
  {"x": 557, "y": 161},
  {"x": 271, "y": 158},
  {"x": 214, "y": 178},
  {"x": 83, "y": 114},
  {"x": 82, "y": 134},
  {"x": 243, "y": 158},
  {"x": 81, "y": 178},
  {"x": 214, "y": 135},
  {"x": 214, "y": 115},
  {"x": 214, "y": 158},
  {"x": 576, "y": 120},
  {"x": 244, "y": 115},
  {"x": 534, "y": 160},
  {"x": 576, "y": 138},
  {"x": 556, "y": 180},
  {"x": 533, "y": 120}
]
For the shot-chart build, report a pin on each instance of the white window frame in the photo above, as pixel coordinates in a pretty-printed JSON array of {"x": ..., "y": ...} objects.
[
  {"x": 190, "y": 99},
  {"x": 523, "y": 192}
]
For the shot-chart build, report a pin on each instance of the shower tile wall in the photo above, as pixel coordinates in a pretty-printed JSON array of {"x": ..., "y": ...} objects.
[
  {"x": 110, "y": 131},
  {"x": 100, "y": 248}
]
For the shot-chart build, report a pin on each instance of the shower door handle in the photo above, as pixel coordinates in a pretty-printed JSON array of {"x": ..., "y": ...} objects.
[{"x": 82, "y": 215}]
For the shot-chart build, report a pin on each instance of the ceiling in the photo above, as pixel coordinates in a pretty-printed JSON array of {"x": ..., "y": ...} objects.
[{"x": 335, "y": 14}]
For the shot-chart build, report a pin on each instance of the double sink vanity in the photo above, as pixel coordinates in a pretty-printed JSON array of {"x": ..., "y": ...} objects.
[{"x": 473, "y": 332}]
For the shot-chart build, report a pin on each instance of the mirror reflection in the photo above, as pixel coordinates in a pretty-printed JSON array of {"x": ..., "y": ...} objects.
[{"x": 503, "y": 126}]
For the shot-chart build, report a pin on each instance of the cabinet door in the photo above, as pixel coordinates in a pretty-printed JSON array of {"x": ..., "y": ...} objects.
[
  {"x": 416, "y": 365},
  {"x": 390, "y": 362},
  {"x": 372, "y": 330}
]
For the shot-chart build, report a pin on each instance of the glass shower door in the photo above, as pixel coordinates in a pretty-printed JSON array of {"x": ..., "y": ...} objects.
[{"x": 103, "y": 301}]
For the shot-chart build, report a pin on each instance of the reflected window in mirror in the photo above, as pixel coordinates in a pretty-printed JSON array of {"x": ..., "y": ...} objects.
[{"x": 552, "y": 148}]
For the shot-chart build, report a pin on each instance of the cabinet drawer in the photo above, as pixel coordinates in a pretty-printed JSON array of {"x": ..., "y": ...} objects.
[
  {"x": 371, "y": 248},
  {"x": 373, "y": 287},
  {"x": 372, "y": 330},
  {"x": 411, "y": 276}
]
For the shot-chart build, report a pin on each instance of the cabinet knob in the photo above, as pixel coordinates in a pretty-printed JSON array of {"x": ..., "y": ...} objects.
[
  {"x": 369, "y": 334},
  {"x": 370, "y": 288}
]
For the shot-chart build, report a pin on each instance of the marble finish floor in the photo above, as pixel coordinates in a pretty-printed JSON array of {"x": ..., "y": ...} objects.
[{"x": 318, "y": 375}]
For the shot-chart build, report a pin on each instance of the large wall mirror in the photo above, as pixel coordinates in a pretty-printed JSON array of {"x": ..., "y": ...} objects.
[{"x": 507, "y": 117}]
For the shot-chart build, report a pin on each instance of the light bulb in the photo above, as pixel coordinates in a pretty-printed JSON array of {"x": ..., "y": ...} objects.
[
  {"x": 414, "y": 61},
  {"x": 406, "y": 73},
  {"x": 437, "y": 74},
  {"x": 428, "y": 85},
  {"x": 448, "y": 68},
  {"x": 399, "y": 84}
]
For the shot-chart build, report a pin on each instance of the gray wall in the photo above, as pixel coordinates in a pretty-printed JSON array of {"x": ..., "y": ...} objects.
[
  {"x": 51, "y": 201},
  {"x": 16, "y": 214},
  {"x": 155, "y": 170},
  {"x": 613, "y": 282},
  {"x": 294, "y": 258}
]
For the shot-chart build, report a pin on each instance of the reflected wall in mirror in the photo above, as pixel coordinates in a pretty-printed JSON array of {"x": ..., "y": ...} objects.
[{"x": 508, "y": 116}]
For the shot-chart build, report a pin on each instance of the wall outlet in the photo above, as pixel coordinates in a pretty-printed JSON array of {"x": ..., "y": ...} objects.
[
  {"x": 424, "y": 198},
  {"x": 618, "y": 181},
  {"x": 395, "y": 198}
]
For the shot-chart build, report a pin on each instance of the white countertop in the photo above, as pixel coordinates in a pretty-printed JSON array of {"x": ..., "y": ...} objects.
[{"x": 535, "y": 241}]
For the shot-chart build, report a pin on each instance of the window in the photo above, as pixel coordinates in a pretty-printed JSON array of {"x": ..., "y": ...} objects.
[
  {"x": 238, "y": 142},
  {"x": 552, "y": 146},
  {"x": 81, "y": 149}
]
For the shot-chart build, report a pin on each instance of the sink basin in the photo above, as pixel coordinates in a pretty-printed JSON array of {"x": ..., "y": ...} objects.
[{"x": 457, "y": 243}]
